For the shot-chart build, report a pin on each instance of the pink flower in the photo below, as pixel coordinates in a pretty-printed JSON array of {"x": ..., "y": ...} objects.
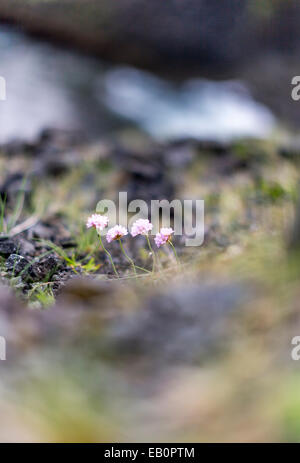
[
  {"x": 141, "y": 227},
  {"x": 97, "y": 221},
  {"x": 116, "y": 233},
  {"x": 163, "y": 236}
]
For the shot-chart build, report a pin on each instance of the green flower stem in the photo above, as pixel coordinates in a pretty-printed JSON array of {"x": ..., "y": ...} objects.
[
  {"x": 127, "y": 257},
  {"x": 108, "y": 254},
  {"x": 175, "y": 253},
  {"x": 152, "y": 253}
]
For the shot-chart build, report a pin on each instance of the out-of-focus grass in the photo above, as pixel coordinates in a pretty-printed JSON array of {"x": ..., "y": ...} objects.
[{"x": 290, "y": 403}]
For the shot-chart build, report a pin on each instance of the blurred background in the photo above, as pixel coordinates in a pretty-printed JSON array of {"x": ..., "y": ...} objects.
[
  {"x": 181, "y": 99},
  {"x": 186, "y": 62}
]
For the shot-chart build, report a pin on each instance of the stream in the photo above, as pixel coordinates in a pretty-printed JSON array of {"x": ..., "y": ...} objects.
[{"x": 48, "y": 86}]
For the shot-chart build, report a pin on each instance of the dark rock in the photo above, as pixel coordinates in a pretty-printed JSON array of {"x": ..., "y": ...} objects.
[
  {"x": 16, "y": 264},
  {"x": 16, "y": 147},
  {"x": 144, "y": 173},
  {"x": 59, "y": 139},
  {"x": 55, "y": 163},
  {"x": 217, "y": 148},
  {"x": 7, "y": 247},
  {"x": 67, "y": 243},
  {"x": 55, "y": 151},
  {"x": 50, "y": 165},
  {"x": 45, "y": 267}
]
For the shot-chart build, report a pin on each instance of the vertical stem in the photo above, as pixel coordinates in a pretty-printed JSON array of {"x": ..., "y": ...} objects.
[
  {"x": 175, "y": 253},
  {"x": 108, "y": 254},
  {"x": 2, "y": 211},
  {"x": 152, "y": 252},
  {"x": 127, "y": 257}
]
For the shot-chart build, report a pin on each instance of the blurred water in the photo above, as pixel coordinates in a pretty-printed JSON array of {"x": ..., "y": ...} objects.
[
  {"x": 48, "y": 87},
  {"x": 197, "y": 108},
  {"x": 52, "y": 87}
]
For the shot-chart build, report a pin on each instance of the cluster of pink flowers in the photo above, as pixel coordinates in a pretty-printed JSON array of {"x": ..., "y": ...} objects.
[{"x": 140, "y": 227}]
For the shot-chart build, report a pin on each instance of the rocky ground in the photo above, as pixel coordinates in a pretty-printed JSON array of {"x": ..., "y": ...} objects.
[{"x": 199, "y": 352}]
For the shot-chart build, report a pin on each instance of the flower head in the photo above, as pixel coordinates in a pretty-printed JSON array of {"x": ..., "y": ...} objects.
[
  {"x": 115, "y": 233},
  {"x": 141, "y": 227},
  {"x": 163, "y": 236},
  {"x": 97, "y": 221}
]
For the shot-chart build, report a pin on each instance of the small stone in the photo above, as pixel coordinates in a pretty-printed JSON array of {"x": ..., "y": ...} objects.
[
  {"x": 7, "y": 247},
  {"x": 45, "y": 267},
  {"x": 67, "y": 243},
  {"x": 17, "y": 264}
]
